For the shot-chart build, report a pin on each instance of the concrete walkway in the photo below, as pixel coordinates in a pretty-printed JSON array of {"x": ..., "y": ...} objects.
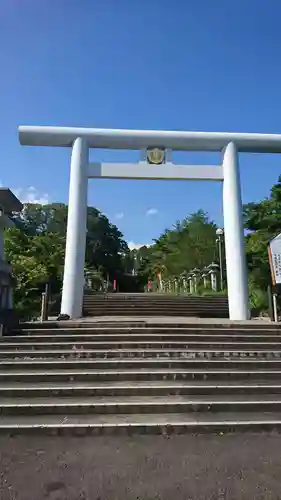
[{"x": 192, "y": 467}]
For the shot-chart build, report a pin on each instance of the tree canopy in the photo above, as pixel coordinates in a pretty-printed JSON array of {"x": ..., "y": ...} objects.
[
  {"x": 189, "y": 244},
  {"x": 36, "y": 248},
  {"x": 263, "y": 222}
]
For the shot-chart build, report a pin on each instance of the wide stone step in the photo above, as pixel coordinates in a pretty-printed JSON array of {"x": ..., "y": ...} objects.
[
  {"x": 153, "y": 312},
  {"x": 138, "y": 404},
  {"x": 158, "y": 296},
  {"x": 148, "y": 304},
  {"x": 140, "y": 344},
  {"x": 147, "y": 325},
  {"x": 140, "y": 374},
  {"x": 130, "y": 305},
  {"x": 174, "y": 301},
  {"x": 164, "y": 423},
  {"x": 127, "y": 308},
  {"x": 158, "y": 301},
  {"x": 207, "y": 353},
  {"x": 152, "y": 301},
  {"x": 124, "y": 363},
  {"x": 61, "y": 389},
  {"x": 150, "y": 295},
  {"x": 139, "y": 337}
]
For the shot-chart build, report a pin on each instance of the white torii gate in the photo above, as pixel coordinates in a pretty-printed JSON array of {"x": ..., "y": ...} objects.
[{"x": 81, "y": 139}]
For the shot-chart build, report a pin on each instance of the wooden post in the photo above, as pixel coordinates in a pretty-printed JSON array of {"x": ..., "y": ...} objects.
[
  {"x": 275, "y": 307},
  {"x": 44, "y": 307},
  {"x": 270, "y": 304}
]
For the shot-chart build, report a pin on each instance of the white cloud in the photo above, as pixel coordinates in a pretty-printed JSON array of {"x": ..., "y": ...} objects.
[
  {"x": 137, "y": 246},
  {"x": 151, "y": 211},
  {"x": 31, "y": 195},
  {"x": 119, "y": 216}
]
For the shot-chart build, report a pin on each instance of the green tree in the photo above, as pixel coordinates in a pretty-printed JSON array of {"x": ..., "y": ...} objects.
[
  {"x": 36, "y": 250},
  {"x": 189, "y": 244},
  {"x": 263, "y": 222},
  {"x": 30, "y": 272},
  {"x": 266, "y": 214},
  {"x": 37, "y": 219},
  {"x": 104, "y": 245}
]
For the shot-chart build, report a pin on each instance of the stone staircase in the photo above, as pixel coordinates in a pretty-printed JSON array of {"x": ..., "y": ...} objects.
[
  {"x": 131, "y": 377},
  {"x": 154, "y": 304}
]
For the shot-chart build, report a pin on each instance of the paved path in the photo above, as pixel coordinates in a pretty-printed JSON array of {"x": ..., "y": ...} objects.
[{"x": 206, "y": 467}]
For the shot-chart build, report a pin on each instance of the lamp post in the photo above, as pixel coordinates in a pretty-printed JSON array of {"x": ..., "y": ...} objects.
[{"x": 219, "y": 233}]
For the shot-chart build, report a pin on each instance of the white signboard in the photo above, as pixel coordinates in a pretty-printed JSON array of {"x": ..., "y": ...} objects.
[{"x": 274, "y": 253}]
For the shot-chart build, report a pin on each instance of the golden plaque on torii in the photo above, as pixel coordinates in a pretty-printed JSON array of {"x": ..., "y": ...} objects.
[{"x": 156, "y": 156}]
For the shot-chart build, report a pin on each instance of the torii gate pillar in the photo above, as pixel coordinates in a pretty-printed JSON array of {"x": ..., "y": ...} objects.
[
  {"x": 73, "y": 278},
  {"x": 237, "y": 281}
]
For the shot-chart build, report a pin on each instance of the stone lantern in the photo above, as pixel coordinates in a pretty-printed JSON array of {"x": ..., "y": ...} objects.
[
  {"x": 213, "y": 271},
  {"x": 195, "y": 273},
  {"x": 191, "y": 283},
  {"x": 184, "y": 282},
  {"x": 205, "y": 276}
]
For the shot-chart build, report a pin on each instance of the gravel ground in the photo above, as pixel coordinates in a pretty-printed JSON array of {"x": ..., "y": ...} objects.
[{"x": 233, "y": 467}]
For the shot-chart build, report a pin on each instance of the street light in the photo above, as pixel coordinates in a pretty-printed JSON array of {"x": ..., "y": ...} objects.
[{"x": 219, "y": 233}]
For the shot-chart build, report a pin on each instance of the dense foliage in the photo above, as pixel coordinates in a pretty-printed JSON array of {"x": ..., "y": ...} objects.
[
  {"x": 192, "y": 244},
  {"x": 263, "y": 222},
  {"x": 36, "y": 246},
  {"x": 189, "y": 244}
]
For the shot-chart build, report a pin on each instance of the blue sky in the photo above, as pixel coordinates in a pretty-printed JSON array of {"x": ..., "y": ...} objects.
[{"x": 163, "y": 64}]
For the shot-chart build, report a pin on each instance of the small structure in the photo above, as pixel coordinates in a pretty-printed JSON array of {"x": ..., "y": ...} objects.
[
  {"x": 205, "y": 275},
  {"x": 214, "y": 270},
  {"x": 183, "y": 281},
  {"x": 9, "y": 203},
  {"x": 191, "y": 283},
  {"x": 195, "y": 274}
]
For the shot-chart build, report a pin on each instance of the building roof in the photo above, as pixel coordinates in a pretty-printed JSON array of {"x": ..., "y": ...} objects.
[{"x": 9, "y": 202}]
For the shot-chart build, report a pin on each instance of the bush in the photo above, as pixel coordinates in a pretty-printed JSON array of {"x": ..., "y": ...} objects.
[{"x": 258, "y": 299}]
